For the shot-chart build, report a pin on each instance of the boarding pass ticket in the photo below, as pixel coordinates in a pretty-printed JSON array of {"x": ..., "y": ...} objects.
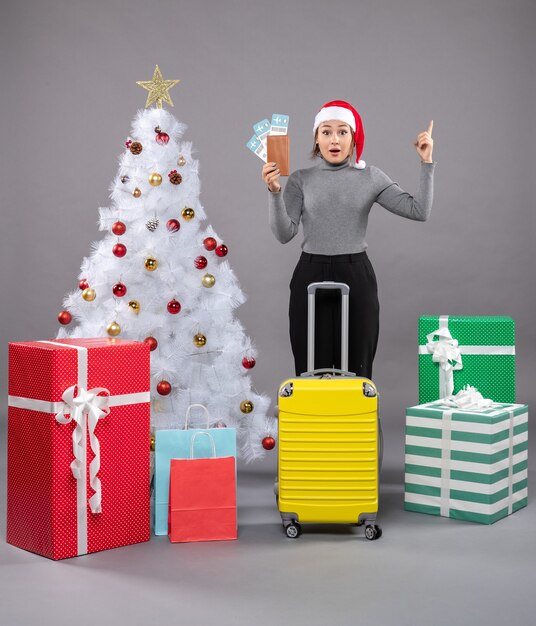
[{"x": 278, "y": 126}]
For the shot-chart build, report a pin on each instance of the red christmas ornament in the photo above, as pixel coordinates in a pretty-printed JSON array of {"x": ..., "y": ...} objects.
[
  {"x": 152, "y": 342},
  {"x": 248, "y": 362},
  {"x": 119, "y": 249},
  {"x": 174, "y": 307},
  {"x": 268, "y": 443},
  {"x": 222, "y": 250},
  {"x": 83, "y": 284},
  {"x": 64, "y": 317},
  {"x": 162, "y": 138},
  {"x": 173, "y": 225},
  {"x": 210, "y": 243},
  {"x": 163, "y": 388},
  {"x": 200, "y": 262},
  {"x": 119, "y": 290},
  {"x": 118, "y": 228},
  {"x": 128, "y": 143}
]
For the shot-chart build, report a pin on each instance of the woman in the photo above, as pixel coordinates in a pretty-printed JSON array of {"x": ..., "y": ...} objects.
[{"x": 333, "y": 200}]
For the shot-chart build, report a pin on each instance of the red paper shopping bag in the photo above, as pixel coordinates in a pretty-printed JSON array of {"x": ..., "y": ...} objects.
[{"x": 202, "y": 498}]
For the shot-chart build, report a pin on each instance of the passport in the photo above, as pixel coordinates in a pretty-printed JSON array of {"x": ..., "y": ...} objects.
[{"x": 278, "y": 148}]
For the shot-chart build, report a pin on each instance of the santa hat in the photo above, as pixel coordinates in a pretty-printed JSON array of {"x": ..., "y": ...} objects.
[{"x": 344, "y": 112}]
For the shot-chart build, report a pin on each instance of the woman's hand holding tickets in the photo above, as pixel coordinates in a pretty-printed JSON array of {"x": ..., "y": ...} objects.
[
  {"x": 270, "y": 175},
  {"x": 425, "y": 144}
]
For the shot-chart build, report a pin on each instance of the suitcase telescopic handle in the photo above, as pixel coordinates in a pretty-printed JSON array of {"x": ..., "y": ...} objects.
[{"x": 345, "y": 298}]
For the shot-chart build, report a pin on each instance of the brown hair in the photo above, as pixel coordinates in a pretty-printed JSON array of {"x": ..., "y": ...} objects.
[{"x": 316, "y": 150}]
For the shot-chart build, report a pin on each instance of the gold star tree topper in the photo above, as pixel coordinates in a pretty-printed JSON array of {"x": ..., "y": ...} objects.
[{"x": 158, "y": 89}]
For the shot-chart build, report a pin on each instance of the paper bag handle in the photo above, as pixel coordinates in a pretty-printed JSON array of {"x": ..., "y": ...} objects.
[
  {"x": 202, "y": 406},
  {"x": 212, "y": 444}
]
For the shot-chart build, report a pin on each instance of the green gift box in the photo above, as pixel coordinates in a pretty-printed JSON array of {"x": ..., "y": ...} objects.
[
  {"x": 466, "y": 464},
  {"x": 462, "y": 350}
]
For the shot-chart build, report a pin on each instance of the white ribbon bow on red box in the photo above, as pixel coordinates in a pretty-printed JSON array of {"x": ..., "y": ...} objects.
[{"x": 95, "y": 407}]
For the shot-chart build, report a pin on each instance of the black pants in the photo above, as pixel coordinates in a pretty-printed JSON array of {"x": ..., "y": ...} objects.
[{"x": 356, "y": 271}]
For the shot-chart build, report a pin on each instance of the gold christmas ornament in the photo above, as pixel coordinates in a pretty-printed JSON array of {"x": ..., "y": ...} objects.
[
  {"x": 152, "y": 443},
  {"x": 113, "y": 329},
  {"x": 151, "y": 264},
  {"x": 157, "y": 406},
  {"x": 89, "y": 294},
  {"x": 181, "y": 161},
  {"x": 155, "y": 179},
  {"x": 200, "y": 340},
  {"x": 134, "y": 305},
  {"x": 158, "y": 89},
  {"x": 188, "y": 213},
  {"x": 136, "y": 193},
  {"x": 246, "y": 406},
  {"x": 208, "y": 280}
]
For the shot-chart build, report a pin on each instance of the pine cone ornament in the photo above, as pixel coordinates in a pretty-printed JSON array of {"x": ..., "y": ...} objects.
[
  {"x": 136, "y": 147},
  {"x": 175, "y": 178},
  {"x": 152, "y": 224}
]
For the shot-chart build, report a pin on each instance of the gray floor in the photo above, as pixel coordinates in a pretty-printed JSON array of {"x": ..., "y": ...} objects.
[{"x": 423, "y": 571}]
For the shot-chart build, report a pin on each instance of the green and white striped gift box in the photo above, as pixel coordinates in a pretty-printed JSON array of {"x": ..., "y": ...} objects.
[
  {"x": 487, "y": 350},
  {"x": 469, "y": 465}
]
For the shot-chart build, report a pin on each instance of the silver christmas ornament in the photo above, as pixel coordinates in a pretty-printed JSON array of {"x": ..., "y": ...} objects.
[{"x": 152, "y": 224}]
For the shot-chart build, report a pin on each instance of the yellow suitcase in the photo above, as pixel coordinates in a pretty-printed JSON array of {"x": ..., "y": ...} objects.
[{"x": 329, "y": 451}]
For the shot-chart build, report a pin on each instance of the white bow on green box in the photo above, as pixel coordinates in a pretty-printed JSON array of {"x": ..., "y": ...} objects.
[{"x": 455, "y": 351}]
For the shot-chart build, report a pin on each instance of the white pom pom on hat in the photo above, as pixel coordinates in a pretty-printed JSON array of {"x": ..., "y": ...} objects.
[{"x": 344, "y": 112}]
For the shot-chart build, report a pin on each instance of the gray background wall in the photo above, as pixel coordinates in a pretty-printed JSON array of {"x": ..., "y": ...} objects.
[{"x": 68, "y": 80}]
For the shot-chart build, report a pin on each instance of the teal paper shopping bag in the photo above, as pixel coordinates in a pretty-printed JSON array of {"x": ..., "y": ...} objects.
[{"x": 175, "y": 444}]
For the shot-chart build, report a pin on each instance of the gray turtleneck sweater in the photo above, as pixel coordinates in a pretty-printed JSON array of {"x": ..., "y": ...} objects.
[{"x": 333, "y": 203}]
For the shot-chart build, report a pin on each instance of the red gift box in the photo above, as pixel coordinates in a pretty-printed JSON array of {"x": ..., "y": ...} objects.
[{"x": 78, "y": 469}]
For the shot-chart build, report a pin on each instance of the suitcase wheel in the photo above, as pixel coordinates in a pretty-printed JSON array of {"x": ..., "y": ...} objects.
[
  {"x": 293, "y": 530},
  {"x": 373, "y": 532}
]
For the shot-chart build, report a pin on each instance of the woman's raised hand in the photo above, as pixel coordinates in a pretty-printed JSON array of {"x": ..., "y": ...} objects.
[
  {"x": 425, "y": 144},
  {"x": 270, "y": 175}
]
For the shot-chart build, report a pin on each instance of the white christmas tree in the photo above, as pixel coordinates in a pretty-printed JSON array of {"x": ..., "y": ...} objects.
[{"x": 160, "y": 275}]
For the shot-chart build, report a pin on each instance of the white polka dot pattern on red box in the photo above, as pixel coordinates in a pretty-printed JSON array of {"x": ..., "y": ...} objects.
[{"x": 42, "y": 491}]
